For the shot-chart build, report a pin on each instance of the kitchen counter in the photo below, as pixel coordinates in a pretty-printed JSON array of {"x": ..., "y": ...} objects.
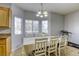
[{"x": 4, "y": 35}]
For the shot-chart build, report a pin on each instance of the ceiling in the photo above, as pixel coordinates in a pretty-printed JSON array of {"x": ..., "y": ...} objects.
[{"x": 60, "y": 8}]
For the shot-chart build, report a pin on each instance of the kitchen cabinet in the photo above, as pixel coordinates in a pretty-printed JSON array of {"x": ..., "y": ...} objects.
[
  {"x": 2, "y": 50},
  {"x": 2, "y": 46},
  {"x": 5, "y": 17},
  {"x": 5, "y": 49}
]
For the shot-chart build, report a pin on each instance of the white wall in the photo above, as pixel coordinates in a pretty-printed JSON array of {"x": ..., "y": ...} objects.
[
  {"x": 72, "y": 25},
  {"x": 56, "y": 23},
  {"x": 17, "y": 40}
]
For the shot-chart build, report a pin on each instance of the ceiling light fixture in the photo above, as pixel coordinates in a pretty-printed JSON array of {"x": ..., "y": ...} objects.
[{"x": 42, "y": 13}]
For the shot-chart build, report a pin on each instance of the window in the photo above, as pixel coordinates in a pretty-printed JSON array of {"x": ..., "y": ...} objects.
[
  {"x": 17, "y": 25},
  {"x": 31, "y": 26},
  {"x": 45, "y": 26},
  {"x": 28, "y": 26},
  {"x": 35, "y": 26}
]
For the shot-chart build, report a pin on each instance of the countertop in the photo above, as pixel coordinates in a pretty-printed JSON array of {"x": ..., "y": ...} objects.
[{"x": 5, "y": 35}]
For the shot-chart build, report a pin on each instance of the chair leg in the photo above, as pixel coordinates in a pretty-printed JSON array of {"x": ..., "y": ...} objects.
[
  {"x": 56, "y": 52},
  {"x": 65, "y": 51},
  {"x": 45, "y": 54},
  {"x": 59, "y": 51},
  {"x": 48, "y": 54}
]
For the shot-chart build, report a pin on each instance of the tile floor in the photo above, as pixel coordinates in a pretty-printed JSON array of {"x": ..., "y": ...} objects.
[{"x": 71, "y": 51}]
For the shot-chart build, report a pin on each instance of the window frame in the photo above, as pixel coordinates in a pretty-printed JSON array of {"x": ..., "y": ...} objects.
[
  {"x": 32, "y": 32},
  {"x": 17, "y": 24},
  {"x": 43, "y": 27}
]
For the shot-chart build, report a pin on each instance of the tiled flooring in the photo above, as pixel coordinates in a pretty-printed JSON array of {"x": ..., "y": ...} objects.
[{"x": 70, "y": 51}]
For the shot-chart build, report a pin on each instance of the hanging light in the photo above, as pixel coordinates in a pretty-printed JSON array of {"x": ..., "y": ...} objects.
[
  {"x": 45, "y": 12},
  {"x": 42, "y": 13}
]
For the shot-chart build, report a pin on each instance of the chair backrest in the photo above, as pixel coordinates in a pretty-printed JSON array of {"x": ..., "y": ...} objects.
[
  {"x": 40, "y": 46},
  {"x": 63, "y": 41},
  {"x": 53, "y": 42},
  {"x": 62, "y": 45}
]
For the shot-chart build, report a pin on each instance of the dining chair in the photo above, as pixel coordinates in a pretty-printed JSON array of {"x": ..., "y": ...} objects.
[
  {"x": 40, "y": 47},
  {"x": 62, "y": 45},
  {"x": 52, "y": 47}
]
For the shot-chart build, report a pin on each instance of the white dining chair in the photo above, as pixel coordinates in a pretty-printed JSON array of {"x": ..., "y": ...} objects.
[
  {"x": 52, "y": 48},
  {"x": 40, "y": 47},
  {"x": 62, "y": 45}
]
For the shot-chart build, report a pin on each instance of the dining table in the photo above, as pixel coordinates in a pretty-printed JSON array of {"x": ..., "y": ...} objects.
[{"x": 30, "y": 42}]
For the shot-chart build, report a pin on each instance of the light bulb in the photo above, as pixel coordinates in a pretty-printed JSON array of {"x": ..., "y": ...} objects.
[
  {"x": 41, "y": 16},
  {"x": 45, "y": 12},
  {"x": 39, "y": 12},
  {"x": 45, "y": 15},
  {"x": 37, "y": 15}
]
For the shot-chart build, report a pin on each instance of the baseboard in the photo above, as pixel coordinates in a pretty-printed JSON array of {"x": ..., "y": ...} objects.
[{"x": 73, "y": 45}]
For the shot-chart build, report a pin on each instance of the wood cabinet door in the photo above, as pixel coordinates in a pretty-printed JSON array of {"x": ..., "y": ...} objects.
[
  {"x": 4, "y": 17},
  {"x": 2, "y": 50}
]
